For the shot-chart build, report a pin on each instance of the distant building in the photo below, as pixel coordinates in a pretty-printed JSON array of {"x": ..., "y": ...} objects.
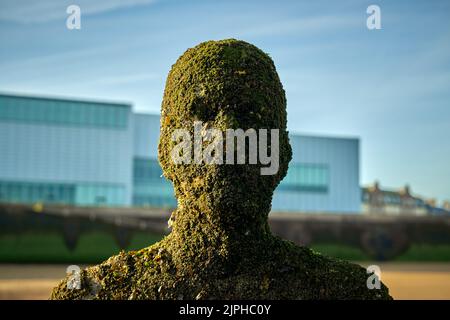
[
  {"x": 65, "y": 151},
  {"x": 446, "y": 206},
  {"x": 323, "y": 176},
  {"x": 439, "y": 211},
  {"x": 389, "y": 202},
  {"x": 92, "y": 153}
]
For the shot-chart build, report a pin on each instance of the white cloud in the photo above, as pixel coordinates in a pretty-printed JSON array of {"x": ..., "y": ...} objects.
[{"x": 28, "y": 11}]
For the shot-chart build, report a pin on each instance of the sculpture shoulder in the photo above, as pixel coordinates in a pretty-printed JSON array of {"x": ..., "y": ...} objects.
[
  {"x": 311, "y": 275},
  {"x": 116, "y": 278},
  {"x": 283, "y": 271}
]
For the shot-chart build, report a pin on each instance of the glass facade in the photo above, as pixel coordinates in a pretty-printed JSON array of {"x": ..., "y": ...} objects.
[
  {"x": 62, "y": 193},
  {"x": 64, "y": 112},
  {"x": 100, "y": 194},
  {"x": 306, "y": 178},
  {"x": 29, "y": 192},
  {"x": 150, "y": 188},
  {"x": 99, "y": 153}
]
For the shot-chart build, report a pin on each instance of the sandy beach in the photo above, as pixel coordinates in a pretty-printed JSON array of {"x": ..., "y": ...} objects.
[{"x": 405, "y": 280}]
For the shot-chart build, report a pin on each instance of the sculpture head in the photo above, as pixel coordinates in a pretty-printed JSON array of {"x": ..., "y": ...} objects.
[{"x": 222, "y": 85}]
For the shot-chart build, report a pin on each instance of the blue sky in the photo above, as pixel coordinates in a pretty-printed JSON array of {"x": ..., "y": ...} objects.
[{"x": 390, "y": 87}]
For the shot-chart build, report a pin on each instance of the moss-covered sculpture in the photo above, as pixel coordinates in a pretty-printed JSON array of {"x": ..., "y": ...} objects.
[{"x": 221, "y": 246}]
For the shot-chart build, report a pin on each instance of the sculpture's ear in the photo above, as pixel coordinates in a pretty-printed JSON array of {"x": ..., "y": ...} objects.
[{"x": 165, "y": 147}]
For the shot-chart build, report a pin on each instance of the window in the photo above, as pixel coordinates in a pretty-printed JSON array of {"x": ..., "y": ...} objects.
[
  {"x": 146, "y": 169},
  {"x": 75, "y": 113},
  {"x": 100, "y": 194},
  {"x": 31, "y": 192},
  {"x": 150, "y": 188},
  {"x": 306, "y": 178}
]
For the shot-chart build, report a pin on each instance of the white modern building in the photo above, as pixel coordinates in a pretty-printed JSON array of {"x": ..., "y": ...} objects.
[
  {"x": 323, "y": 175},
  {"x": 101, "y": 153}
]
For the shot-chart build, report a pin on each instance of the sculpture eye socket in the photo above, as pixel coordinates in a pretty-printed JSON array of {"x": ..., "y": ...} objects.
[{"x": 203, "y": 113}]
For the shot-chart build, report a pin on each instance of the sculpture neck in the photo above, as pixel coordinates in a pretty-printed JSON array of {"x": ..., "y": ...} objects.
[{"x": 220, "y": 233}]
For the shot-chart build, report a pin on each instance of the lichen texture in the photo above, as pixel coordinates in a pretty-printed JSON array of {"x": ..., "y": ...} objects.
[{"x": 220, "y": 246}]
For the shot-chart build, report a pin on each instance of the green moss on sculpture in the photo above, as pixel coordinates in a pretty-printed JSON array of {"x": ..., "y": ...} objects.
[{"x": 221, "y": 246}]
